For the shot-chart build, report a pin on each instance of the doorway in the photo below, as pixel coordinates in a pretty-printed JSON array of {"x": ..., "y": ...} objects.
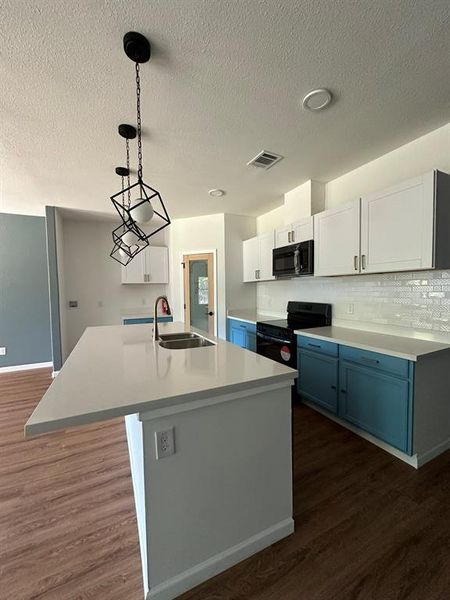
[{"x": 199, "y": 297}]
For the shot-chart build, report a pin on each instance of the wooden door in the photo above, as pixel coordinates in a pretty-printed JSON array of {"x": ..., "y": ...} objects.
[
  {"x": 397, "y": 227},
  {"x": 199, "y": 298},
  {"x": 336, "y": 240}
]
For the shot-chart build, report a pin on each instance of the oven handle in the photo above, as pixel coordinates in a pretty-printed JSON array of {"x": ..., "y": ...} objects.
[{"x": 272, "y": 339}]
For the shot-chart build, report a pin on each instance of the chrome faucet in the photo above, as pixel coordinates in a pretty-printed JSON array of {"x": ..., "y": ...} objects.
[{"x": 155, "y": 316}]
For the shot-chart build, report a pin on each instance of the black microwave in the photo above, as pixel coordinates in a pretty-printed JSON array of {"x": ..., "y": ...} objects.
[{"x": 294, "y": 260}]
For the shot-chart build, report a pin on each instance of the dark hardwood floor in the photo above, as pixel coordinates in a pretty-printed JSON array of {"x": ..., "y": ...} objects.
[{"x": 368, "y": 527}]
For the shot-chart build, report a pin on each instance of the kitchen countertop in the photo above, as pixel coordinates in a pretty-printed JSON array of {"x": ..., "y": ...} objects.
[
  {"x": 403, "y": 347},
  {"x": 251, "y": 316},
  {"x": 118, "y": 370}
]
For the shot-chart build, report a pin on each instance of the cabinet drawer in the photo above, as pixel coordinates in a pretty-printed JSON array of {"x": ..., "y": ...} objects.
[
  {"x": 309, "y": 343},
  {"x": 382, "y": 362},
  {"x": 250, "y": 327}
]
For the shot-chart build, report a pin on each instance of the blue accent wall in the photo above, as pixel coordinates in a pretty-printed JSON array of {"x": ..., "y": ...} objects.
[{"x": 24, "y": 293}]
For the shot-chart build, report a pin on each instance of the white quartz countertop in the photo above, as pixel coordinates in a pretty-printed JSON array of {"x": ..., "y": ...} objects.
[
  {"x": 118, "y": 370},
  {"x": 251, "y": 316},
  {"x": 404, "y": 347}
]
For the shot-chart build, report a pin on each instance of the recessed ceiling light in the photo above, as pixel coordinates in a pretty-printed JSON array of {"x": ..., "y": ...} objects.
[
  {"x": 216, "y": 193},
  {"x": 317, "y": 99}
]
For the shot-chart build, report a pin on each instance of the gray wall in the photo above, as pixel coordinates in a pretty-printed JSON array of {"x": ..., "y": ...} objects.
[{"x": 24, "y": 296}]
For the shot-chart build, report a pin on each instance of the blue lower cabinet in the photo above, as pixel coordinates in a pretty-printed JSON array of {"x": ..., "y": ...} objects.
[
  {"x": 378, "y": 403},
  {"x": 242, "y": 334},
  {"x": 318, "y": 379},
  {"x": 142, "y": 320}
]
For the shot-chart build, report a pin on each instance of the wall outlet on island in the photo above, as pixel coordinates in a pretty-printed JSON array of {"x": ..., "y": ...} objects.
[
  {"x": 3, "y": 351},
  {"x": 165, "y": 443}
]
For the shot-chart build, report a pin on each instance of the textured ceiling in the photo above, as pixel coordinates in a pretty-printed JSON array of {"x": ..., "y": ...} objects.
[{"x": 225, "y": 81}]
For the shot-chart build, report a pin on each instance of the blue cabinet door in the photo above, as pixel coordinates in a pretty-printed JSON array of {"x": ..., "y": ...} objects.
[
  {"x": 238, "y": 336},
  {"x": 318, "y": 379},
  {"x": 251, "y": 341},
  {"x": 376, "y": 402}
]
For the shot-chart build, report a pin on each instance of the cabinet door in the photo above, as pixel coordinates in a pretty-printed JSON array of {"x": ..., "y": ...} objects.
[
  {"x": 303, "y": 230},
  {"x": 238, "y": 336},
  {"x": 376, "y": 402},
  {"x": 157, "y": 264},
  {"x": 135, "y": 270},
  {"x": 250, "y": 255},
  {"x": 251, "y": 341},
  {"x": 318, "y": 379},
  {"x": 397, "y": 227},
  {"x": 336, "y": 240},
  {"x": 266, "y": 246},
  {"x": 282, "y": 237}
]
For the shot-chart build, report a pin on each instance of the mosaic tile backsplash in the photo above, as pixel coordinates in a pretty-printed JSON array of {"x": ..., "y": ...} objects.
[{"x": 412, "y": 304}]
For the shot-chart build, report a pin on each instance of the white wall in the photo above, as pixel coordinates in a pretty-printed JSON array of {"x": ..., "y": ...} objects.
[
  {"x": 188, "y": 236},
  {"x": 238, "y": 295},
  {"x": 93, "y": 278},
  {"x": 401, "y": 303}
]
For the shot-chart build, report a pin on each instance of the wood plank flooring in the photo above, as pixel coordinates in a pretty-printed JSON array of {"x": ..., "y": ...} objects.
[{"x": 368, "y": 527}]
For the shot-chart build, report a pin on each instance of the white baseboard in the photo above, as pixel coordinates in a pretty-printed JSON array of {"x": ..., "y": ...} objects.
[
  {"x": 410, "y": 460},
  {"x": 54, "y": 374},
  {"x": 185, "y": 581},
  {"x": 29, "y": 367},
  {"x": 433, "y": 452}
]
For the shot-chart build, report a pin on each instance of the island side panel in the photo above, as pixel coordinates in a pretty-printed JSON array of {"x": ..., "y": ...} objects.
[
  {"x": 431, "y": 406},
  {"x": 134, "y": 431},
  {"x": 225, "y": 494}
]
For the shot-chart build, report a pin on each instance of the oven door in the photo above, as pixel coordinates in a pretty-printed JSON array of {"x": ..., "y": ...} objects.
[{"x": 279, "y": 350}]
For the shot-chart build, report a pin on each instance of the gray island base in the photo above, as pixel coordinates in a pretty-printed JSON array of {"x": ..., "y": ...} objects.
[{"x": 226, "y": 490}]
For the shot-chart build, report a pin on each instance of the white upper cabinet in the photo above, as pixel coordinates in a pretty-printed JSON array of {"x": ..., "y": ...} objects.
[
  {"x": 257, "y": 257},
  {"x": 266, "y": 245},
  {"x": 397, "y": 227},
  {"x": 336, "y": 240},
  {"x": 299, "y": 231},
  {"x": 250, "y": 254},
  {"x": 149, "y": 266}
]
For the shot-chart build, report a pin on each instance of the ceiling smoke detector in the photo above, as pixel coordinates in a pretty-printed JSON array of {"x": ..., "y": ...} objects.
[
  {"x": 264, "y": 160},
  {"x": 317, "y": 99},
  {"x": 216, "y": 193}
]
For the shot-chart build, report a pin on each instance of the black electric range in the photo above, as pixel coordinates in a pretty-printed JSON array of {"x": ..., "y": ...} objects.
[{"x": 276, "y": 339}]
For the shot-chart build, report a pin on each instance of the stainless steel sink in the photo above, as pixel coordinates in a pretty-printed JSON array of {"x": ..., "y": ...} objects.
[
  {"x": 183, "y": 335},
  {"x": 181, "y": 344}
]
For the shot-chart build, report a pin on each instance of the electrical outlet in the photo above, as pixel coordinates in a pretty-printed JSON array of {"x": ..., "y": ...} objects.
[
  {"x": 350, "y": 309},
  {"x": 73, "y": 303},
  {"x": 165, "y": 443},
  {"x": 3, "y": 351}
]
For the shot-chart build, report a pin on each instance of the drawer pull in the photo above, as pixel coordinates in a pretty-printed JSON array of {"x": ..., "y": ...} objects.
[
  {"x": 343, "y": 391},
  {"x": 314, "y": 345},
  {"x": 372, "y": 361},
  {"x": 333, "y": 387}
]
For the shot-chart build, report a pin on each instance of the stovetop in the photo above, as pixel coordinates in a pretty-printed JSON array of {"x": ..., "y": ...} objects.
[{"x": 301, "y": 315}]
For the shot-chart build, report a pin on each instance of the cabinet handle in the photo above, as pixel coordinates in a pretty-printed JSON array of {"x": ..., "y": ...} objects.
[
  {"x": 292, "y": 236},
  {"x": 256, "y": 274},
  {"x": 315, "y": 345},
  {"x": 355, "y": 262},
  {"x": 372, "y": 361},
  {"x": 333, "y": 387},
  {"x": 259, "y": 276},
  {"x": 289, "y": 237},
  {"x": 363, "y": 262},
  {"x": 343, "y": 391}
]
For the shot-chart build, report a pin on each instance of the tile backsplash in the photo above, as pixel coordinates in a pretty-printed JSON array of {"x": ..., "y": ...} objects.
[{"x": 413, "y": 304}]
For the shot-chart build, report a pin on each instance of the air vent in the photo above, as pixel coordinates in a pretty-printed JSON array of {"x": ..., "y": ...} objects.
[{"x": 264, "y": 160}]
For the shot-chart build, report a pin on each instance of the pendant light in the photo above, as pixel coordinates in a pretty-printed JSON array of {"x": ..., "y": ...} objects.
[
  {"x": 147, "y": 203},
  {"x": 127, "y": 242}
]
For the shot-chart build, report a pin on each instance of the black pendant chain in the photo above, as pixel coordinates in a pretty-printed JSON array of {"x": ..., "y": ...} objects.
[
  {"x": 138, "y": 119},
  {"x": 128, "y": 176}
]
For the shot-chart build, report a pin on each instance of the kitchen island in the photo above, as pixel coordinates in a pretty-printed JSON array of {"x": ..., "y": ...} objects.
[{"x": 217, "y": 487}]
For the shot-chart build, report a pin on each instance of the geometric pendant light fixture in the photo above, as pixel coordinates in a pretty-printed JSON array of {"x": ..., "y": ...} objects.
[
  {"x": 139, "y": 205},
  {"x": 127, "y": 244}
]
